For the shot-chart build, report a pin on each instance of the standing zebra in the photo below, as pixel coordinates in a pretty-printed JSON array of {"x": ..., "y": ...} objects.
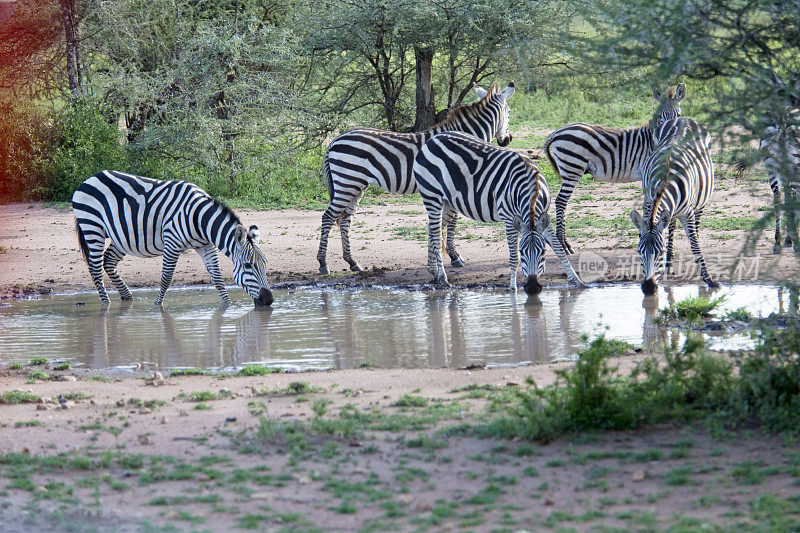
[
  {"x": 459, "y": 172},
  {"x": 147, "y": 218},
  {"x": 384, "y": 158},
  {"x": 780, "y": 151},
  {"x": 677, "y": 181},
  {"x": 608, "y": 154}
]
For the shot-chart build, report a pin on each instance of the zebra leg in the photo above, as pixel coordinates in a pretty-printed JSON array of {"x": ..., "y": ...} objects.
[
  {"x": 568, "y": 183},
  {"x": 449, "y": 219},
  {"x": 211, "y": 260},
  {"x": 513, "y": 255},
  {"x": 435, "y": 263},
  {"x": 171, "y": 255},
  {"x": 776, "y": 202},
  {"x": 670, "y": 239},
  {"x": 94, "y": 238},
  {"x": 329, "y": 218},
  {"x": 690, "y": 225},
  {"x": 111, "y": 259},
  {"x": 344, "y": 227}
]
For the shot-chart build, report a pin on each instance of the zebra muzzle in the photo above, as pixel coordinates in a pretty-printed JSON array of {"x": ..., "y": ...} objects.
[
  {"x": 264, "y": 298},
  {"x": 649, "y": 287},
  {"x": 532, "y": 285}
]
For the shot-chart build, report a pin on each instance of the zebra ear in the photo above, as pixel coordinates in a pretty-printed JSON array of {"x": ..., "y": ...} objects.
[
  {"x": 662, "y": 223},
  {"x": 508, "y": 92},
  {"x": 519, "y": 224},
  {"x": 542, "y": 223},
  {"x": 680, "y": 92},
  {"x": 240, "y": 234},
  {"x": 637, "y": 219},
  {"x": 657, "y": 94},
  {"x": 480, "y": 91},
  {"x": 253, "y": 233}
]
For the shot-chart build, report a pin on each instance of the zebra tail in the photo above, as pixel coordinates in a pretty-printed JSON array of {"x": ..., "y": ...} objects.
[
  {"x": 326, "y": 171},
  {"x": 547, "y": 152},
  {"x": 82, "y": 242}
]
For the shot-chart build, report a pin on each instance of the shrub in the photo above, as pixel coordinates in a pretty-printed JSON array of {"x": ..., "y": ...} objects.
[{"x": 84, "y": 144}]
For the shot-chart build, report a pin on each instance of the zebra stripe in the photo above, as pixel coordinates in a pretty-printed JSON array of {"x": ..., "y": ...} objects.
[
  {"x": 608, "y": 154},
  {"x": 363, "y": 156},
  {"x": 145, "y": 217},
  {"x": 489, "y": 184},
  {"x": 780, "y": 151},
  {"x": 678, "y": 179}
]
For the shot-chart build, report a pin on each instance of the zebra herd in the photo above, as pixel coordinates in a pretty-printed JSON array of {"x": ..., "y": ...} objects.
[{"x": 456, "y": 171}]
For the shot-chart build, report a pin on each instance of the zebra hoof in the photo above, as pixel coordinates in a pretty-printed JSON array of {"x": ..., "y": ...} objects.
[
  {"x": 355, "y": 267},
  {"x": 457, "y": 262},
  {"x": 777, "y": 248},
  {"x": 713, "y": 284},
  {"x": 567, "y": 248},
  {"x": 441, "y": 281},
  {"x": 324, "y": 270},
  {"x": 126, "y": 298}
]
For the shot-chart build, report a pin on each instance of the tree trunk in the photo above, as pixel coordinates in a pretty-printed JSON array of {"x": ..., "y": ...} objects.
[
  {"x": 426, "y": 109},
  {"x": 69, "y": 15}
]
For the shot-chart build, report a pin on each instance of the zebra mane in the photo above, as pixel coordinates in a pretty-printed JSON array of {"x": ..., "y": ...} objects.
[
  {"x": 459, "y": 111},
  {"x": 533, "y": 169},
  {"x": 225, "y": 209},
  {"x": 664, "y": 162}
]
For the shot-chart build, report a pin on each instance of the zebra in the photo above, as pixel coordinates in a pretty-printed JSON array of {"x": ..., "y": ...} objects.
[
  {"x": 146, "y": 217},
  {"x": 780, "y": 151},
  {"x": 363, "y": 156},
  {"x": 608, "y": 154},
  {"x": 677, "y": 182},
  {"x": 459, "y": 172}
]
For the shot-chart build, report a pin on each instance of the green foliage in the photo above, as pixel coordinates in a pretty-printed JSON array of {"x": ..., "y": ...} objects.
[
  {"x": 84, "y": 144},
  {"x": 25, "y": 143},
  {"x": 409, "y": 400},
  {"x": 740, "y": 313},
  {"x": 39, "y": 361},
  {"x": 13, "y": 397},
  {"x": 692, "y": 309},
  {"x": 189, "y": 372},
  {"x": 257, "y": 370}
]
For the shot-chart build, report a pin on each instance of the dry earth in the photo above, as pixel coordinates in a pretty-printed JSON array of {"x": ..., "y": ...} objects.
[{"x": 192, "y": 474}]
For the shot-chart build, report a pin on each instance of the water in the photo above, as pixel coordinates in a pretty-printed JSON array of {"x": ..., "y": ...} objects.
[{"x": 316, "y": 328}]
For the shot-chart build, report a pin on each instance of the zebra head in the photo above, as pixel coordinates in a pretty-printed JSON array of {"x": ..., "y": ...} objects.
[
  {"x": 250, "y": 265},
  {"x": 531, "y": 247},
  {"x": 669, "y": 103},
  {"x": 499, "y": 99},
  {"x": 651, "y": 249}
]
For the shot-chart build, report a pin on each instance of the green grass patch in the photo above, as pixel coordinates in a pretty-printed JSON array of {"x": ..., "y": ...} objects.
[
  {"x": 13, "y": 397},
  {"x": 258, "y": 370}
]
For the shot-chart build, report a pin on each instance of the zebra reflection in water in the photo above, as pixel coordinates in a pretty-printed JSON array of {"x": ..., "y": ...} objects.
[{"x": 114, "y": 343}]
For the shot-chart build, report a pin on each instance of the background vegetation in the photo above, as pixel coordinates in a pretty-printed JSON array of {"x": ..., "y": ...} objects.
[{"x": 241, "y": 96}]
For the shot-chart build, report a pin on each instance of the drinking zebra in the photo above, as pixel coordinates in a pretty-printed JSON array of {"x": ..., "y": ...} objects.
[
  {"x": 384, "y": 158},
  {"x": 146, "y": 218},
  {"x": 677, "y": 182},
  {"x": 608, "y": 154},
  {"x": 459, "y": 172}
]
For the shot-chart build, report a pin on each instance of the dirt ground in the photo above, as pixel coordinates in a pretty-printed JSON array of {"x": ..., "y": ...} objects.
[
  {"x": 246, "y": 462},
  {"x": 139, "y": 457},
  {"x": 39, "y": 251}
]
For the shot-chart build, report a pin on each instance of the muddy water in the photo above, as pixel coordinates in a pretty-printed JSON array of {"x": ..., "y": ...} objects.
[{"x": 325, "y": 328}]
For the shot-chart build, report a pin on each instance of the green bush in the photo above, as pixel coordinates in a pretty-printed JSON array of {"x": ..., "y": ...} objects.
[
  {"x": 84, "y": 144},
  {"x": 25, "y": 137}
]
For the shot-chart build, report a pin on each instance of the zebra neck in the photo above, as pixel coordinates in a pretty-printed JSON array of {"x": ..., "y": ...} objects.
[{"x": 217, "y": 225}]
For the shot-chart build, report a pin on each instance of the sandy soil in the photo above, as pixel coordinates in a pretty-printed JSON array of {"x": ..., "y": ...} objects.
[
  {"x": 464, "y": 482},
  {"x": 217, "y": 468},
  {"x": 39, "y": 251}
]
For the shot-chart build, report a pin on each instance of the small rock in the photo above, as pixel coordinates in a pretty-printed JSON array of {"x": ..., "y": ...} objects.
[
  {"x": 41, "y": 488},
  {"x": 145, "y": 411},
  {"x": 172, "y": 515},
  {"x": 69, "y": 404},
  {"x": 143, "y": 439},
  {"x": 67, "y": 378},
  {"x": 423, "y": 507},
  {"x": 41, "y": 400},
  {"x": 42, "y": 407},
  {"x": 183, "y": 412},
  {"x": 261, "y": 496},
  {"x": 548, "y": 502},
  {"x": 639, "y": 475},
  {"x": 230, "y": 419},
  {"x": 303, "y": 480},
  {"x": 158, "y": 379},
  {"x": 92, "y": 401},
  {"x": 120, "y": 403},
  {"x": 512, "y": 384},
  {"x": 254, "y": 391},
  {"x": 405, "y": 498},
  {"x": 163, "y": 420}
]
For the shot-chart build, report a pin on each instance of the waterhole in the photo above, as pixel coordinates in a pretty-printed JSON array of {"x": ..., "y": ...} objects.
[{"x": 314, "y": 328}]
